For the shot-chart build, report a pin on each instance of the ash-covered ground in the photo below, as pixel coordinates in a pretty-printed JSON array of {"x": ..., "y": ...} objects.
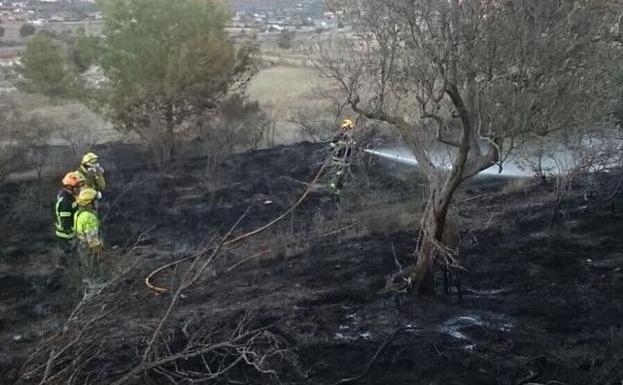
[{"x": 542, "y": 292}]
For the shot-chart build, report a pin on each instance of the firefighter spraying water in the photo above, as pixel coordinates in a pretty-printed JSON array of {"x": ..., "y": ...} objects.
[{"x": 342, "y": 147}]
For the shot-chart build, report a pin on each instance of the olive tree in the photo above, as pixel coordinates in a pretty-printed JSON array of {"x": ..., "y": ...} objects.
[
  {"x": 168, "y": 62},
  {"x": 474, "y": 79}
]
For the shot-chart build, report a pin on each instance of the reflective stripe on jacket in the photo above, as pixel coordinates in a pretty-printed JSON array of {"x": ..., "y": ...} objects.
[
  {"x": 64, "y": 210},
  {"x": 341, "y": 146}
]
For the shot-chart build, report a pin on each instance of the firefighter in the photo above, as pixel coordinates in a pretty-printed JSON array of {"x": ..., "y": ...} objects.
[
  {"x": 64, "y": 210},
  {"x": 342, "y": 147},
  {"x": 92, "y": 172},
  {"x": 86, "y": 222}
]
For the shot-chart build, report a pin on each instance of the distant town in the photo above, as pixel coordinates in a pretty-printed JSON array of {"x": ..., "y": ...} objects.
[
  {"x": 274, "y": 16},
  {"x": 262, "y": 18},
  {"x": 48, "y": 11},
  {"x": 259, "y": 15}
]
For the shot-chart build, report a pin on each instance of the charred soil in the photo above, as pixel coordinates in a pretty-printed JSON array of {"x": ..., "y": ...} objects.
[{"x": 541, "y": 291}]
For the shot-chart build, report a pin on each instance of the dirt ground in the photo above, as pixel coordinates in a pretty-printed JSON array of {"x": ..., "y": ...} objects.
[{"x": 541, "y": 297}]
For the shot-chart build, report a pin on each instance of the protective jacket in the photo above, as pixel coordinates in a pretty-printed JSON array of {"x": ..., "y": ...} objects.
[
  {"x": 64, "y": 211},
  {"x": 342, "y": 146},
  {"x": 94, "y": 177},
  {"x": 87, "y": 228}
]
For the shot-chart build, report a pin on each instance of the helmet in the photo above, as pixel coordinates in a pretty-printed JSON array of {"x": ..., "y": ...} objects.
[
  {"x": 86, "y": 196},
  {"x": 347, "y": 123},
  {"x": 89, "y": 158},
  {"x": 73, "y": 179}
]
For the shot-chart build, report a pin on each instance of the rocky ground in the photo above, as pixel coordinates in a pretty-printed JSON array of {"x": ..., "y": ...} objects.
[{"x": 541, "y": 299}]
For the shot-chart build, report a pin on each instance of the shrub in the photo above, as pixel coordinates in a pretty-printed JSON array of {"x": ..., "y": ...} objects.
[
  {"x": 286, "y": 38},
  {"x": 238, "y": 125},
  {"x": 24, "y": 137},
  {"x": 27, "y": 30}
]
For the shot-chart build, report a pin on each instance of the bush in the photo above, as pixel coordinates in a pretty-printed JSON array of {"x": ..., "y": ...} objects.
[
  {"x": 76, "y": 124},
  {"x": 317, "y": 121},
  {"x": 27, "y": 30},
  {"x": 314, "y": 125},
  {"x": 239, "y": 124},
  {"x": 28, "y": 205},
  {"x": 286, "y": 38},
  {"x": 24, "y": 137}
]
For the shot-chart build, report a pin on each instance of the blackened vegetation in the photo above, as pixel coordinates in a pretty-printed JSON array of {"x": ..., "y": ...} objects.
[{"x": 540, "y": 304}]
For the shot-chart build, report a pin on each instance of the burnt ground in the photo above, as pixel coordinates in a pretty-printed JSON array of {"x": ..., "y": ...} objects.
[{"x": 542, "y": 297}]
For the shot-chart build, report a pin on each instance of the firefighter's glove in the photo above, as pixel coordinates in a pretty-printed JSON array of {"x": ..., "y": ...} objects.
[{"x": 96, "y": 169}]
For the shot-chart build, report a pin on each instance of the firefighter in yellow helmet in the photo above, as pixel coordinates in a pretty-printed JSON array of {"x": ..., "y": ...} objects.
[
  {"x": 342, "y": 147},
  {"x": 86, "y": 222},
  {"x": 64, "y": 210},
  {"x": 92, "y": 172}
]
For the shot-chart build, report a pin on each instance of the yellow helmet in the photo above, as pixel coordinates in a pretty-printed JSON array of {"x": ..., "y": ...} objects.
[
  {"x": 347, "y": 124},
  {"x": 86, "y": 197},
  {"x": 89, "y": 158}
]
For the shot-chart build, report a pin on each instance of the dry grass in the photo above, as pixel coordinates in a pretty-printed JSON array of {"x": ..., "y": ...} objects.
[
  {"x": 12, "y": 29},
  {"x": 283, "y": 84},
  {"x": 516, "y": 185},
  {"x": 282, "y": 90},
  {"x": 389, "y": 220}
]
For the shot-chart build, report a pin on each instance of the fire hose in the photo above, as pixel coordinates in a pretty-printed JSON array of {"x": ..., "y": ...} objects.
[{"x": 231, "y": 242}]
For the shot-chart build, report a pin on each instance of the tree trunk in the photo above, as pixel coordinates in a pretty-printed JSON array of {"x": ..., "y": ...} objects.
[
  {"x": 431, "y": 237},
  {"x": 434, "y": 219},
  {"x": 166, "y": 141},
  {"x": 170, "y": 133}
]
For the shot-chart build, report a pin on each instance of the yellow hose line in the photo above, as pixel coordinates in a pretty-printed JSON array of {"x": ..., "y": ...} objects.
[{"x": 164, "y": 290}]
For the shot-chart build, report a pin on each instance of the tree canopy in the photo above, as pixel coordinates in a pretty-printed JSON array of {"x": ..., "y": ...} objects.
[
  {"x": 167, "y": 63},
  {"x": 43, "y": 68},
  {"x": 85, "y": 51},
  {"x": 473, "y": 79}
]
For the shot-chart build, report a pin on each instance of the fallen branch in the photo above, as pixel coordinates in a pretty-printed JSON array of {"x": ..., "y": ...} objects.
[
  {"x": 242, "y": 261},
  {"x": 340, "y": 230},
  {"x": 188, "y": 280},
  {"x": 231, "y": 242},
  {"x": 140, "y": 238},
  {"x": 266, "y": 251},
  {"x": 387, "y": 341},
  {"x": 529, "y": 377},
  {"x": 396, "y": 261}
]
